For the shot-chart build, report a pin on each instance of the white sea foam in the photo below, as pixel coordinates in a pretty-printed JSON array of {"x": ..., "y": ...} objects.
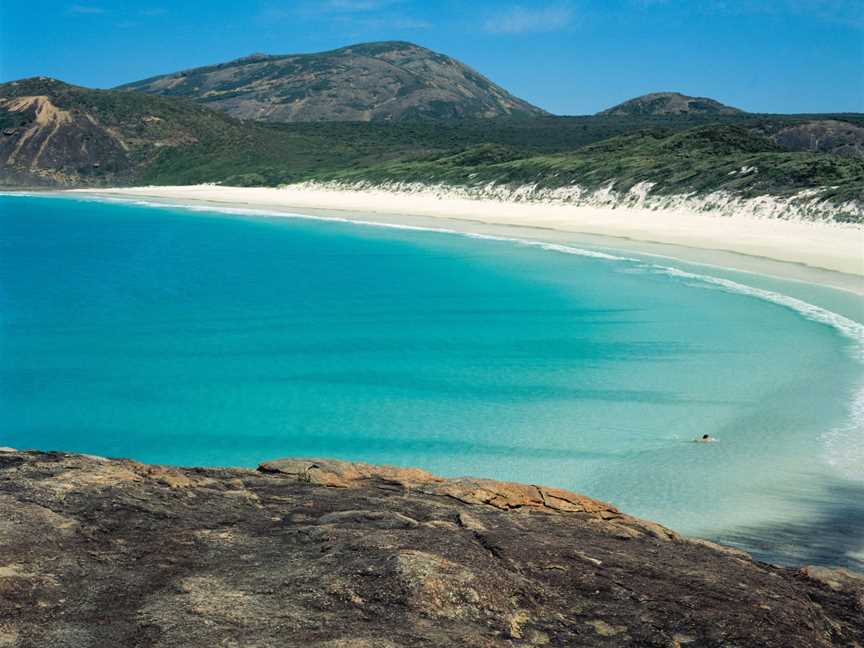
[
  {"x": 851, "y": 329},
  {"x": 845, "y": 443}
]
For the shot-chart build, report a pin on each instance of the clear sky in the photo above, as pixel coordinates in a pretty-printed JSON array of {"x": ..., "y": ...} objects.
[{"x": 568, "y": 56}]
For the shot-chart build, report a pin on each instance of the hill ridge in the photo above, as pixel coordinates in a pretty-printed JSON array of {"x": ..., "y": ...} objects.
[{"x": 670, "y": 103}]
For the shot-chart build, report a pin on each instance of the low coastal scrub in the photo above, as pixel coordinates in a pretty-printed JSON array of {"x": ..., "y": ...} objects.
[
  {"x": 674, "y": 164},
  {"x": 703, "y": 162},
  {"x": 698, "y": 161}
]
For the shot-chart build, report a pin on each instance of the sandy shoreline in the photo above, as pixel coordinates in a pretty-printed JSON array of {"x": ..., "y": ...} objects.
[{"x": 830, "y": 254}]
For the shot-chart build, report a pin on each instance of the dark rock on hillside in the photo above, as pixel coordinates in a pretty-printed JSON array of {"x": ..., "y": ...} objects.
[
  {"x": 669, "y": 103},
  {"x": 365, "y": 82},
  {"x": 97, "y": 552},
  {"x": 823, "y": 136}
]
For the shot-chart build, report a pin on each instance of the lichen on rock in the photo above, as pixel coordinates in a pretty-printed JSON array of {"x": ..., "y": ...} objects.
[{"x": 329, "y": 554}]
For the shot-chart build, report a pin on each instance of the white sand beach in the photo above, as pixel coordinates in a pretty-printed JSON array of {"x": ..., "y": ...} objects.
[{"x": 806, "y": 248}]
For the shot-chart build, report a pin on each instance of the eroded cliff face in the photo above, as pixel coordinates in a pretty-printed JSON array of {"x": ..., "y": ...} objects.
[
  {"x": 97, "y": 552},
  {"x": 54, "y": 134}
]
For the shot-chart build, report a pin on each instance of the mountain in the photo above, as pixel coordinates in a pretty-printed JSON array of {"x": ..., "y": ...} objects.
[
  {"x": 55, "y": 133},
  {"x": 670, "y": 103},
  {"x": 366, "y": 82}
]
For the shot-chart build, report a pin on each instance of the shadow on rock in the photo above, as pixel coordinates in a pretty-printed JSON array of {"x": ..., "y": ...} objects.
[{"x": 833, "y": 534}]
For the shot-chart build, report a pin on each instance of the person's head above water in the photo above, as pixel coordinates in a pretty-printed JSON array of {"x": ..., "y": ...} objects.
[{"x": 705, "y": 436}]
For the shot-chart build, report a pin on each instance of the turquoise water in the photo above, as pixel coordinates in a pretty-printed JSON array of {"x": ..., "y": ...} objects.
[{"x": 188, "y": 337}]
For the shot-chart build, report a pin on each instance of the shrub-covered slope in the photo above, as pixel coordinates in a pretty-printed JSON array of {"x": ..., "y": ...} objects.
[{"x": 699, "y": 160}]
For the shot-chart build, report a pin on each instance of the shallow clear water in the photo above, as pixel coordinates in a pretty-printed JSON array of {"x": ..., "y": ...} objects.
[{"x": 182, "y": 337}]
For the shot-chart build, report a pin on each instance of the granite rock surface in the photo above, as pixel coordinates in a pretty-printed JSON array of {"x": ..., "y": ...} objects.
[{"x": 304, "y": 552}]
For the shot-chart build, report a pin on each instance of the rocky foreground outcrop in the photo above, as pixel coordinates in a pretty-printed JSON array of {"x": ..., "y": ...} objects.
[{"x": 97, "y": 552}]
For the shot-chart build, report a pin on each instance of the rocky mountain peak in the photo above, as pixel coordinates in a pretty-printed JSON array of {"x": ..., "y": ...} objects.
[{"x": 380, "y": 81}]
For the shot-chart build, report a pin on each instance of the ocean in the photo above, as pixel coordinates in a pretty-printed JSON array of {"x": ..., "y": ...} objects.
[{"x": 195, "y": 337}]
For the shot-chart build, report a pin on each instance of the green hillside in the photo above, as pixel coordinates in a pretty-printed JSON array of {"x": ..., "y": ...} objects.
[{"x": 701, "y": 160}]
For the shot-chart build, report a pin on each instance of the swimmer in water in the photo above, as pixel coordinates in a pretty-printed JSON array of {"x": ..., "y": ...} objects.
[{"x": 705, "y": 438}]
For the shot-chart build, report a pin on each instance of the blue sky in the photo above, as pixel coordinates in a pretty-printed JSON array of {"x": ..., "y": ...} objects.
[{"x": 568, "y": 56}]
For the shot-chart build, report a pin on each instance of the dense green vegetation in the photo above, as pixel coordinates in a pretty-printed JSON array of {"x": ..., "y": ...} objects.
[
  {"x": 677, "y": 156},
  {"x": 591, "y": 150},
  {"x": 701, "y": 160}
]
